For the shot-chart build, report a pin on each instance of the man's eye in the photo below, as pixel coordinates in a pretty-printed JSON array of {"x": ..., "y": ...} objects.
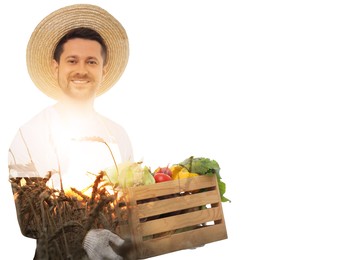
[
  {"x": 71, "y": 61},
  {"x": 92, "y": 62}
]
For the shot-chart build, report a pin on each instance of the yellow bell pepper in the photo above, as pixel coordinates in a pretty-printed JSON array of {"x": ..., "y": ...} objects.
[{"x": 180, "y": 172}]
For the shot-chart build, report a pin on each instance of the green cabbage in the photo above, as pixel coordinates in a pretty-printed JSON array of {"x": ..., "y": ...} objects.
[{"x": 129, "y": 174}]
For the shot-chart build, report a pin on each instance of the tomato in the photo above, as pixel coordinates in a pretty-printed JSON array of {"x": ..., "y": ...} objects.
[
  {"x": 165, "y": 170},
  {"x": 160, "y": 177}
]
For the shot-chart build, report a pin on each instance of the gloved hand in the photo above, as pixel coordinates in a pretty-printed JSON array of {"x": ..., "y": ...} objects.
[{"x": 97, "y": 244}]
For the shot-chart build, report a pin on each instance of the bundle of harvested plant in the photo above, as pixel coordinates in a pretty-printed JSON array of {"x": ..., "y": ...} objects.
[{"x": 60, "y": 221}]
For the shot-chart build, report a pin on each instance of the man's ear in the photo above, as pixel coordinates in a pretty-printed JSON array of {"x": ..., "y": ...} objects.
[
  {"x": 104, "y": 70},
  {"x": 55, "y": 68}
]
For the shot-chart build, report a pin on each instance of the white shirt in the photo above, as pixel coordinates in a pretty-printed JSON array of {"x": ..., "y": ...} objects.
[{"x": 83, "y": 147}]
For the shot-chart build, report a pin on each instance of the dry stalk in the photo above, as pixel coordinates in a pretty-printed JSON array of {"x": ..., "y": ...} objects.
[{"x": 58, "y": 221}]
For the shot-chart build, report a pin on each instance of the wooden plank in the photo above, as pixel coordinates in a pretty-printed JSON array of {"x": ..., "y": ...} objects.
[
  {"x": 174, "y": 186},
  {"x": 180, "y": 221},
  {"x": 133, "y": 222},
  {"x": 186, "y": 240},
  {"x": 161, "y": 204},
  {"x": 177, "y": 203}
]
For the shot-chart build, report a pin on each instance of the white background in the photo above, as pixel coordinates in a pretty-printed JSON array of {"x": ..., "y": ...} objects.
[{"x": 251, "y": 84}]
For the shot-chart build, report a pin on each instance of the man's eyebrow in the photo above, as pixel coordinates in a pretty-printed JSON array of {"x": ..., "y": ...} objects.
[
  {"x": 92, "y": 57},
  {"x": 76, "y": 56},
  {"x": 71, "y": 56}
]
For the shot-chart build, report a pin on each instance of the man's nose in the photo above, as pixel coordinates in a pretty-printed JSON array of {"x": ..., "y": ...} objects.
[{"x": 81, "y": 68}]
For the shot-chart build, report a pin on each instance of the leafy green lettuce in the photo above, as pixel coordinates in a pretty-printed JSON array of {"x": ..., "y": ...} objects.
[{"x": 206, "y": 166}]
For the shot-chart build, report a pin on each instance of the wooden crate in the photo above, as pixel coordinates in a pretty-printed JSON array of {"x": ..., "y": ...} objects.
[{"x": 175, "y": 215}]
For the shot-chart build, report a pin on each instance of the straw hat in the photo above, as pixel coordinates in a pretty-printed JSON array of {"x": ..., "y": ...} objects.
[{"x": 43, "y": 41}]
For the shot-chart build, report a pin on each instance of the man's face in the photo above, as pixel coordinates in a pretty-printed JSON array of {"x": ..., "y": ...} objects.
[{"x": 80, "y": 70}]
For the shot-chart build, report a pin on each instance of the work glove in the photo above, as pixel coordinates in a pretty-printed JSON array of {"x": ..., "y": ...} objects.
[{"x": 97, "y": 244}]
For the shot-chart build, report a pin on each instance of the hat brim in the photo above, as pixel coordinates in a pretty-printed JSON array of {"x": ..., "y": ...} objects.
[{"x": 52, "y": 28}]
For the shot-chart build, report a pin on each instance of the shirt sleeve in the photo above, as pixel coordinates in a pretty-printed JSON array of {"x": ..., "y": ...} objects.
[
  {"x": 20, "y": 163},
  {"x": 31, "y": 153}
]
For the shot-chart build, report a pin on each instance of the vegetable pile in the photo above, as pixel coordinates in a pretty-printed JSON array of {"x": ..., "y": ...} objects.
[{"x": 130, "y": 174}]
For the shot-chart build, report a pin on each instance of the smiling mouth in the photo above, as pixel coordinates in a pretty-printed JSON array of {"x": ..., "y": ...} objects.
[{"x": 78, "y": 81}]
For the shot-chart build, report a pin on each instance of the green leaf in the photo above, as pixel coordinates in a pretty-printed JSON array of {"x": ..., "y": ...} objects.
[
  {"x": 206, "y": 166},
  {"x": 222, "y": 188},
  {"x": 201, "y": 165}
]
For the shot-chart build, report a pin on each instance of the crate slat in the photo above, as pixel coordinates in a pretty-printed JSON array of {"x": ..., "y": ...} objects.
[
  {"x": 173, "y": 187},
  {"x": 177, "y": 203},
  {"x": 180, "y": 241},
  {"x": 180, "y": 221}
]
